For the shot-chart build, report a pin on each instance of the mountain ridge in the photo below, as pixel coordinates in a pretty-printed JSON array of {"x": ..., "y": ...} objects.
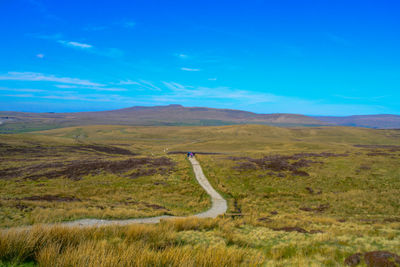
[{"x": 175, "y": 115}]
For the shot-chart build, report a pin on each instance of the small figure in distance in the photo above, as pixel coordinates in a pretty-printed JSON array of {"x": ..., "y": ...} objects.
[{"x": 188, "y": 154}]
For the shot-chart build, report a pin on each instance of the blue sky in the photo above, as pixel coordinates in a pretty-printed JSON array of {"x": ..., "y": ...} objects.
[{"x": 308, "y": 57}]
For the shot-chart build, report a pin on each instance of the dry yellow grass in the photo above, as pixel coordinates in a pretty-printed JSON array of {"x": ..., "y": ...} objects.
[
  {"x": 193, "y": 242},
  {"x": 361, "y": 189}
]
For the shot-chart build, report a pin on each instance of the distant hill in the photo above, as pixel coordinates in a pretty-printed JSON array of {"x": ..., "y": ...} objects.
[
  {"x": 13, "y": 122},
  {"x": 384, "y": 121},
  {"x": 152, "y": 116}
]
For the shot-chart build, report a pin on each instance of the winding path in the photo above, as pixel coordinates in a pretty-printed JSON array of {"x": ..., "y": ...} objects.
[{"x": 218, "y": 207}]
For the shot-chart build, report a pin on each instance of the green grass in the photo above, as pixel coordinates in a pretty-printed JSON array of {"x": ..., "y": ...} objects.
[{"x": 353, "y": 205}]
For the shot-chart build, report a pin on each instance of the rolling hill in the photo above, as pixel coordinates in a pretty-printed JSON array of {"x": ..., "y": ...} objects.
[
  {"x": 148, "y": 116},
  {"x": 177, "y": 115},
  {"x": 384, "y": 121}
]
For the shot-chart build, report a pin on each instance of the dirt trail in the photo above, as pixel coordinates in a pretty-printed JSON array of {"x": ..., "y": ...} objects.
[{"x": 219, "y": 206}]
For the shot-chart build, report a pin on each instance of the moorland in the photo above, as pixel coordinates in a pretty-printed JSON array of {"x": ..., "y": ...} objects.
[
  {"x": 177, "y": 115},
  {"x": 301, "y": 196}
]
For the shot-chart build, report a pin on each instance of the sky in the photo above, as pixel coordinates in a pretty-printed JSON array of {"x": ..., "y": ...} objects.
[{"x": 326, "y": 57}]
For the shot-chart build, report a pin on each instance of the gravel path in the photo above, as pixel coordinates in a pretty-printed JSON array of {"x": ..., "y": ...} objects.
[{"x": 219, "y": 206}]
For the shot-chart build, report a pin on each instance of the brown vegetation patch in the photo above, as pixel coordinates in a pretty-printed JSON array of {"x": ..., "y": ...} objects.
[
  {"x": 300, "y": 173},
  {"x": 244, "y": 166},
  {"x": 160, "y": 183},
  {"x": 381, "y": 259},
  {"x": 280, "y": 163},
  {"x": 155, "y": 206},
  {"x": 377, "y": 153},
  {"x": 390, "y": 220},
  {"x": 374, "y": 259},
  {"x": 364, "y": 168},
  {"x": 108, "y": 149},
  {"x": 353, "y": 260},
  {"x": 316, "y": 232},
  {"x": 297, "y": 229},
  {"x": 320, "y": 208},
  {"x": 264, "y": 219},
  {"x": 43, "y": 151},
  {"x": 311, "y": 191},
  {"x": 51, "y": 198},
  {"x": 21, "y": 207},
  {"x": 392, "y": 148},
  {"x": 291, "y": 229},
  {"x": 76, "y": 169},
  {"x": 143, "y": 172}
]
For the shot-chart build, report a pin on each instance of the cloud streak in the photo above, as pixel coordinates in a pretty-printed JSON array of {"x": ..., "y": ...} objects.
[
  {"x": 34, "y": 76},
  {"x": 189, "y": 69},
  {"x": 20, "y": 90},
  {"x": 75, "y": 44},
  {"x": 179, "y": 91},
  {"x": 60, "y": 39}
]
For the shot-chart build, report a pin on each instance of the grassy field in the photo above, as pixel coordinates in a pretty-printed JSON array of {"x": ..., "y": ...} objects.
[
  {"x": 306, "y": 196},
  {"x": 51, "y": 180}
]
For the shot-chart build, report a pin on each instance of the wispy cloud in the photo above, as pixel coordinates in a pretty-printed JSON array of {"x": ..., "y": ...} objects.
[
  {"x": 110, "y": 89},
  {"x": 371, "y": 98},
  {"x": 75, "y": 44},
  {"x": 90, "y": 97},
  {"x": 65, "y": 86},
  {"x": 60, "y": 39},
  {"x": 149, "y": 85},
  {"x": 189, "y": 69},
  {"x": 128, "y": 82},
  {"x": 21, "y": 95},
  {"x": 181, "y": 55},
  {"x": 141, "y": 84},
  {"x": 212, "y": 79},
  {"x": 179, "y": 91},
  {"x": 34, "y": 76},
  {"x": 20, "y": 90},
  {"x": 97, "y": 88},
  {"x": 40, "y": 56}
]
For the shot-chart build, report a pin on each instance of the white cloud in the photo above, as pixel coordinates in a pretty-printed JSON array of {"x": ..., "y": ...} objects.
[
  {"x": 141, "y": 84},
  {"x": 98, "y": 88},
  {"x": 75, "y": 44},
  {"x": 182, "y": 56},
  {"x": 179, "y": 91},
  {"x": 40, "y": 56},
  {"x": 111, "y": 89},
  {"x": 107, "y": 52},
  {"x": 34, "y": 76},
  {"x": 212, "y": 79},
  {"x": 189, "y": 69},
  {"x": 128, "y": 82},
  {"x": 149, "y": 85},
  {"x": 20, "y": 89},
  {"x": 21, "y": 95},
  {"x": 91, "y": 97},
  {"x": 65, "y": 86}
]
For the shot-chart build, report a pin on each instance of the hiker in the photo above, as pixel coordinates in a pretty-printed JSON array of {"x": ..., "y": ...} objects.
[
  {"x": 188, "y": 154},
  {"x": 191, "y": 154}
]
